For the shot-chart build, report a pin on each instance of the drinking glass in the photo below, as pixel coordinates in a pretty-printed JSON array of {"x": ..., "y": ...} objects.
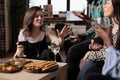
[
  {"x": 104, "y": 22},
  {"x": 54, "y": 48}
]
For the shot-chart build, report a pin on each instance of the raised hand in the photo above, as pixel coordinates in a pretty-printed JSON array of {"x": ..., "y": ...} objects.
[
  {"x": 64, "y": 32},
  {"x": 79, "y": 14},
  {"x": 82, "y": 16}
]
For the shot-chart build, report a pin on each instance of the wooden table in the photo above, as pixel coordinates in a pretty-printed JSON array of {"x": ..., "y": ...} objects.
[{"x": 61, "y": 74}]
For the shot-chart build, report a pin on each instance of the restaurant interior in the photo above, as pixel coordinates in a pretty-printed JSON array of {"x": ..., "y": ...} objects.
[
  {"x": 12, "y": 13},
  {"x": 55, "y": 11},
  {"x": 59, "y": 40}
]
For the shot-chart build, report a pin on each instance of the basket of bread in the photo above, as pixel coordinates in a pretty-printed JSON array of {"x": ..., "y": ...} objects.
[{"x": 40, "y": 66}]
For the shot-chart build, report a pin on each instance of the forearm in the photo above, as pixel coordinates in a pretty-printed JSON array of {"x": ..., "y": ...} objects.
[
  {"x": 108, "y": 42},
  {"x": 88, "y": 20},
  {"x": 57, "y": 40},
  {"x": 84, "y": 17},
  {"x": 89, "y": 32},
  {"x": 61, "y": 41}
]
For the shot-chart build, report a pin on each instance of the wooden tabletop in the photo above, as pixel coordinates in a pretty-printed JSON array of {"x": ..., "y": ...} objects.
[{"x": 61, "y": 73}]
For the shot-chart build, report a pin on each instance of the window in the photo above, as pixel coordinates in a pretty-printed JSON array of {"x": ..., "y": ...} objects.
[
  {"x": 59, "y": 5},
  {"x": 37, "y": 3},
  {"x": 78, "y": 5}
]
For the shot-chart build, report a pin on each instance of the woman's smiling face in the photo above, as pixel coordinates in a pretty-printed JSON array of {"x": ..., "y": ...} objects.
[
  {"x": 108, "y": 9},
  {"x": 38, "y": 19}
]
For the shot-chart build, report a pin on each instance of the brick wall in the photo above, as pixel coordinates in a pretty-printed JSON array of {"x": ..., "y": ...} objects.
[{"x": 2, "y": 28}]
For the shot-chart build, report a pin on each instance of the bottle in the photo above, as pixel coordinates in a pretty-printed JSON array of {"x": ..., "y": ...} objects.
[{"x": 45, "y": 12}]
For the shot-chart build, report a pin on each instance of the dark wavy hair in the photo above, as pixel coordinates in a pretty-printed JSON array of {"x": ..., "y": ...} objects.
[
  {"x": 116, "y": 6},
  {"x": 28, "y": 19}
]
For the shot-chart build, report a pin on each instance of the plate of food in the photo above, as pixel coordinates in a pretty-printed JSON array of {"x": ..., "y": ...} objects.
[
  {"x": 13, "y": 65},
  {"x": 22, "y": 61},
  {"x": 41, "y": 66},
  {"x": 10, "y": 66}
]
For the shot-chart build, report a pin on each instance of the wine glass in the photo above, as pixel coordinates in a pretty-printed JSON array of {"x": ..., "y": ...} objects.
[
  {"x": 54, "y": 48},
  {"x": 104, "y": 22}
]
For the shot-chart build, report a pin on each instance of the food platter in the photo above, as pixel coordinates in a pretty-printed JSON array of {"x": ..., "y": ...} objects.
[
  {"x": 40, "y": 66},
  {"x": 37, "y": 66},
  {"x": 9, "y": 67},
  {"x": 13, "y": 65},
  {"x": 22, "y": 61}
]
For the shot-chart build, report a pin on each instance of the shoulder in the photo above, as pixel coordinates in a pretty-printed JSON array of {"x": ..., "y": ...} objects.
[
  {"x": 21, "y": 31},
  {"x": 21, "y": 36}
]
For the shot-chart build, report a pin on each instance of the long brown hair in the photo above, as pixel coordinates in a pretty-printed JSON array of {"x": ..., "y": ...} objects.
[
  {"x": 116, "y": 5},
  {"x": 28, "y": 19}
]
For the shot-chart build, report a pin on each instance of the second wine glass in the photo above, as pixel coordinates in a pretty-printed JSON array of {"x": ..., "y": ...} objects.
[{"x": 54, "y": 48}]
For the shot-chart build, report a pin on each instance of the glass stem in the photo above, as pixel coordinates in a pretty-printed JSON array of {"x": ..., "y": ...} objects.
[{"x": 55, "y": 59}]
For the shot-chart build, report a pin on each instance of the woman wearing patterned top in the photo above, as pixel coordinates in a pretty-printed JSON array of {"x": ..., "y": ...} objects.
[
  {"x": 33, "y": 35},
  {"x": 111, "y": 37}
]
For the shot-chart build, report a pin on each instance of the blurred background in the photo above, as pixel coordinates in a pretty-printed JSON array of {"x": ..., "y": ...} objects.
[{"x": 55, "y": 11}]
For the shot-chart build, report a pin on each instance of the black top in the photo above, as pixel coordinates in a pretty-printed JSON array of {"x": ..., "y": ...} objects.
[{"x": 34, "y": 50}]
